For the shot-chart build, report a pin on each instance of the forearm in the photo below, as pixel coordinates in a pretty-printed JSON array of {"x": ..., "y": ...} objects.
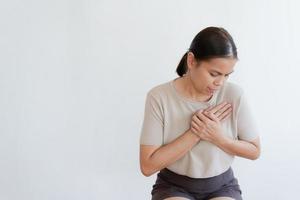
[
  {"x": 171, "y": 152},
  {"x": 239, "y": 148}
]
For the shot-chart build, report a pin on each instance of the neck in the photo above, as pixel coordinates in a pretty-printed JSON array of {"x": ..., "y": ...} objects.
[{"x": 190, "y": 90}]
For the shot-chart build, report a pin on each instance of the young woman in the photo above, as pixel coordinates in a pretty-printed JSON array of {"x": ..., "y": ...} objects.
[{"x": 195, "y": 124}]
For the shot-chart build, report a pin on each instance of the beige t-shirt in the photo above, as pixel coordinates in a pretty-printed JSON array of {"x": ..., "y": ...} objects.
[{"x": 168, "y": 115}]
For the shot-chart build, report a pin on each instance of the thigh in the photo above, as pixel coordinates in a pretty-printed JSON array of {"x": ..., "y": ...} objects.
[
  {"x": 171, "y": 193},
  {"x": 229, "y": 191},
  {"x": 164, "y": 190}
]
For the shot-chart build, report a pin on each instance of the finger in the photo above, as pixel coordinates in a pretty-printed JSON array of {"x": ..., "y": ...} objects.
[
  {"x": 204, "y": 118},
  {"x": 217, "y": 107},
  {"x": 212, "y": 117},
  {"x": 197, "y": 120},
  {"x": 227, "y": 114},
  {"x": 222, "y": 110},
  {"x": 195, "y": 125},
  {"x": 225, "y": 118},
  {"x": 194, "y": 130},
  {"x": 208, "y": 108},
  {"x": 198, "y": 127}
]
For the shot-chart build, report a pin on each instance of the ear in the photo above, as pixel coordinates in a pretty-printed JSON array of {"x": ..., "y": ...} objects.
[{"x": 191, "y": 61}]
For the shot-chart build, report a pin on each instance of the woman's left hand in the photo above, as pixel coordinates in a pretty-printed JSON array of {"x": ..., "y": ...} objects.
[{"x": 207, "y": 126}]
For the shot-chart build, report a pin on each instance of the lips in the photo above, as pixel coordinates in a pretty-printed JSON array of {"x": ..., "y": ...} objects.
[{"x": 212, "y": 90}]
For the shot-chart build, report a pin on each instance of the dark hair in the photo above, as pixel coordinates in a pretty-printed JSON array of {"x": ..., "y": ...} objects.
[{"x": 211, "y": 42}]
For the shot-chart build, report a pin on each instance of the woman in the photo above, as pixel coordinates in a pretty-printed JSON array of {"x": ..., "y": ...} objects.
[{"x": 195, "y": 124}]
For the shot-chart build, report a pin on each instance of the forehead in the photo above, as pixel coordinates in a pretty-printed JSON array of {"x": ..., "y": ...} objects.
[{"x": 224, "y": 65}]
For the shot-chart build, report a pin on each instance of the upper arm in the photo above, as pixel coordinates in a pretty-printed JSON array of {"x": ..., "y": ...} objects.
[
  {"x": 153, "y": 124},
  {"x": 151, "y": 137},
  {"x": 247, "y": 129}
]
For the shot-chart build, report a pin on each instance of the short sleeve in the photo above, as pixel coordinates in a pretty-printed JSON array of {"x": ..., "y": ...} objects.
[
  {"x": 152, "y": 128},
  {"x": 246, "y": 125}
]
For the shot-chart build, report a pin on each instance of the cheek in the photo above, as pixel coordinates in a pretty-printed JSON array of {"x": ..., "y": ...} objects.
[
  {"x": 206, "y": 81},
  {"x": 209, "y": 79},
  {"x": 202, "y": 79}
]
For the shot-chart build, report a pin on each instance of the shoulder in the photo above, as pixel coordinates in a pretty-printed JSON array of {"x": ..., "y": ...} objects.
[
  {"x": 158, "y": 95},
  {"x": 160, "y": 90}
]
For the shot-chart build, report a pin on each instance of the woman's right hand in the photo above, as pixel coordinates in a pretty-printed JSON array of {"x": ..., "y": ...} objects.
[{"x": 222, "y": 111}]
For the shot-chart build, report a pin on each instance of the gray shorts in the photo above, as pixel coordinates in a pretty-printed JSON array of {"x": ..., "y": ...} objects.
[{"x": 170, "y": 184}]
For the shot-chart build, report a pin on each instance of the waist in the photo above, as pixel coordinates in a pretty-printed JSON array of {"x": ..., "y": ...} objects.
[{"x": 197, "y": 184}]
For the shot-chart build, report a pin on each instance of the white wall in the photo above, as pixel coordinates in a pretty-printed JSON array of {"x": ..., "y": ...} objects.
[{"x": 73, "y": 80}]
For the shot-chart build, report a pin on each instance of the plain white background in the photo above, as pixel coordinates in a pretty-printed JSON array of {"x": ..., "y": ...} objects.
[{"x": 74, "y": 77}]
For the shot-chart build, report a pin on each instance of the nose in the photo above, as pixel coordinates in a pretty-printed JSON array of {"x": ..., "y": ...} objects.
[{"x": 219, "y": 81}]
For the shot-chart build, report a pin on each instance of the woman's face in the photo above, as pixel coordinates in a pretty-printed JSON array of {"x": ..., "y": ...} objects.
[{"x": 208, "y": 76}]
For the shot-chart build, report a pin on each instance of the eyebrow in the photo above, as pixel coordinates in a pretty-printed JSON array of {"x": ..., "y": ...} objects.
[{"x": 220, "y": 72}]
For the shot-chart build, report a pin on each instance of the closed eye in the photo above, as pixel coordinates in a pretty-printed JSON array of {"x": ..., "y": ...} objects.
[{"x": 214, "y": 75}]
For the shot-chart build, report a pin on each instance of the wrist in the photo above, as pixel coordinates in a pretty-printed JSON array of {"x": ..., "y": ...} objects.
[{"x": 193, "y": 135}]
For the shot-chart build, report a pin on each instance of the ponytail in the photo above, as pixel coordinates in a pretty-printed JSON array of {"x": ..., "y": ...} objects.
[{"x": 182, "y": 66}]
